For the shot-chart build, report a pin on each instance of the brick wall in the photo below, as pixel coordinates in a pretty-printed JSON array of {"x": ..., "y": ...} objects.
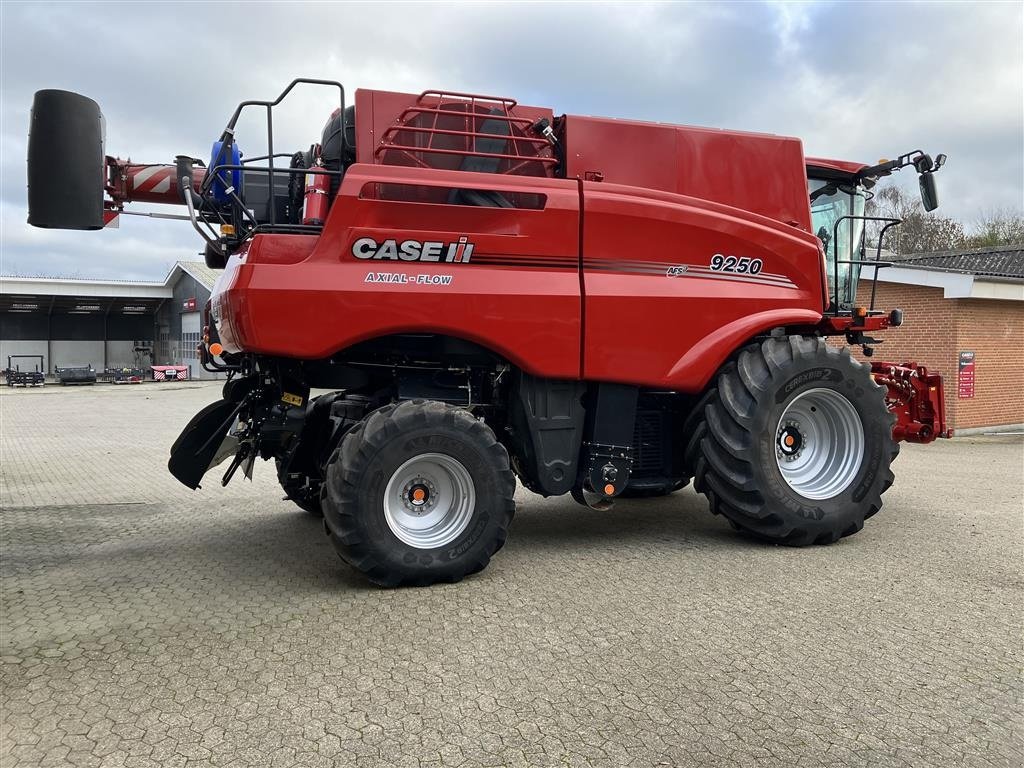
[
  {"x": 934, "y": 332},
  {"x": 994, "y": 331}
]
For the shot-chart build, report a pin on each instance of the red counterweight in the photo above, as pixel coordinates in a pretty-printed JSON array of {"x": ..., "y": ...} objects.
[{"x": 917, "y": 399}]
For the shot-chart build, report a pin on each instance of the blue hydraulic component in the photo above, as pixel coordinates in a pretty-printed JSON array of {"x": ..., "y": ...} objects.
[{"x": 225, "y": 155}]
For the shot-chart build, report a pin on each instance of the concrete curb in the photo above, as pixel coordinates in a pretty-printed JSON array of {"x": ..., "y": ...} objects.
[{"x": 996, "y": 429}]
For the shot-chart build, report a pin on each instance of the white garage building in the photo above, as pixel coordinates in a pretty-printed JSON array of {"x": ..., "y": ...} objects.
[{"x": 104, "y": 323}]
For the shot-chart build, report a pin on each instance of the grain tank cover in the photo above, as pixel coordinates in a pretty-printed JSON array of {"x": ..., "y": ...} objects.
[
  {"x": 65, "y": 161},
  {"x": 756, "y": 172}
]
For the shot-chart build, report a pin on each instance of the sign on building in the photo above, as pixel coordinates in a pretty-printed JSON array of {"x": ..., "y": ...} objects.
[{"x": 965, "y": 377}]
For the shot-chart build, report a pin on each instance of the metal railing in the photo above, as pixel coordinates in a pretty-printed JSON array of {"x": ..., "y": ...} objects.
[
  {"x": 204, "y": 208},
  {"x": 520, "y": 151},
  {"x": 877, "y": 263}
]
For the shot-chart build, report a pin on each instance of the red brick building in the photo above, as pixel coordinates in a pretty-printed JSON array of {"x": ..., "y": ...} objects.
[{"x": 964, "y": 318}]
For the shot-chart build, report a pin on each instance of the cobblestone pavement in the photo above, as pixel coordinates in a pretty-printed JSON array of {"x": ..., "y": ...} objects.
[{"x": 146, "y": 625}]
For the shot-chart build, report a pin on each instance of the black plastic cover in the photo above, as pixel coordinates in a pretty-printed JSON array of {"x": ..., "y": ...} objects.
[
  {"x": 198, "y": 443},
  {"x": 611, "y": 421},
  {"x": 65, "y": 162},
  {"x": 257, "y": 195},
  {"x": 547, "y": 418}
]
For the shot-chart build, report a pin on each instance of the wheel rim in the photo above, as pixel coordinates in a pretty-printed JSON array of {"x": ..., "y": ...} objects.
[
  {"x": 819, "y": 444},
  {"x": 429, "y": 501}
]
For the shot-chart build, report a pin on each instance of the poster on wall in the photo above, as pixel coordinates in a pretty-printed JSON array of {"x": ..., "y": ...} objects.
[{"x": 965, "y": 377}]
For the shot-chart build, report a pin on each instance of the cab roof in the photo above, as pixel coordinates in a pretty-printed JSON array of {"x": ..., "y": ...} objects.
[{"x": 840, "y": 166}]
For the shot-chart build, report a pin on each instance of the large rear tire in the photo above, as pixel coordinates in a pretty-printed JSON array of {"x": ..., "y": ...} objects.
[
  {"x": 796, "y": 443},
  {"x": 418, "y": 493}
]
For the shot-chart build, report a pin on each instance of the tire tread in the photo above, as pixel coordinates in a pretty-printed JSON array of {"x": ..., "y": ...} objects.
[
  {"x": 722, "y": 444},
  {"x": 348, "y": 466}
]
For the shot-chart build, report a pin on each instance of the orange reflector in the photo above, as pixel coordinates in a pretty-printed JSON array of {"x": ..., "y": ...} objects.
[
  {"x": 216, "y": 349},
  {"x": 227, "y": 230},
  {"x": 609, "y": 489},
  {"x": 861, "y": 311}
]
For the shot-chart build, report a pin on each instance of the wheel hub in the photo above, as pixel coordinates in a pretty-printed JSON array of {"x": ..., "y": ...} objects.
[
  {"x": 419, "y": 496},
  {"x": 819, "y": 443},
  {"x": 429, "y": 501},
  {"x": 790, "y": 441}
]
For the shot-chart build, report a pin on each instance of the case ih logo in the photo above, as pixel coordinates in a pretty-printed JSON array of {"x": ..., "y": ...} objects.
[{"x": 413, "y": 250}]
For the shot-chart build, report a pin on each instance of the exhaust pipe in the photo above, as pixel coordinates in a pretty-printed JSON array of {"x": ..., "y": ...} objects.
[{"x": 65, "y": 162}]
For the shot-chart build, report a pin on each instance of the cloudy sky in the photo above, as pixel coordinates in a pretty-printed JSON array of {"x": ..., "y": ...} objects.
[{"x": 853, "y": 80}]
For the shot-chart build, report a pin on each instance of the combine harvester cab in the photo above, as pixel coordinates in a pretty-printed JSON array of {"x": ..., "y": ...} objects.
[{"x": 490, "y": 291}]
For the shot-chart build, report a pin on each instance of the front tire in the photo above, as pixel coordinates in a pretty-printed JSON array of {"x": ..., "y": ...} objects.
[
  {"x": 797, "y": 443},
  {"x": 418, "y": 493}
]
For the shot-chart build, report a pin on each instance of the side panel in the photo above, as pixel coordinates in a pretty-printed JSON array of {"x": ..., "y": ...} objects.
[
  {"x": 657, "y": 311},
  {"x": 755, "y": 172},
  {"x": 516, "y": 291}
]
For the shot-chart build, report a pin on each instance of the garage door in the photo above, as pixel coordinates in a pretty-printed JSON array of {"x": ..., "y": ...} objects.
[{"x": 191, "y": 333}]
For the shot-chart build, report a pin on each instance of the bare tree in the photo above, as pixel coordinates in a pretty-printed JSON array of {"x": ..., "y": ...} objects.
[
  {"x": 920, "y": 232},
  {"x": 998, "y": 226}
]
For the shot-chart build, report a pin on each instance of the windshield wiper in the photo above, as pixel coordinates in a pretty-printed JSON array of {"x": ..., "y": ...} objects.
[
  {"x": 828, "y": 189},
  {"x": 831, "y": 188}
]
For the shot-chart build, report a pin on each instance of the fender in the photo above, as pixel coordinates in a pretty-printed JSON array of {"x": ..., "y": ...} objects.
[{"x": 694, "y": 370}]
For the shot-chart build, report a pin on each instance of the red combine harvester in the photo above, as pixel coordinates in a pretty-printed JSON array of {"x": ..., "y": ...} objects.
[{"x": 487, "y": 291}]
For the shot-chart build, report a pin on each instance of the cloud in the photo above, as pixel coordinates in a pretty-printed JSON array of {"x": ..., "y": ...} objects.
[
  {"x": 141, "y": 249},
  {"x": 792, "y": 21},
  {"x": 854, "y": 80}
]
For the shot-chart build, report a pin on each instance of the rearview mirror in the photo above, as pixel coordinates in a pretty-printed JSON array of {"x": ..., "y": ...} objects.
[{"x": 929, "y": 194}]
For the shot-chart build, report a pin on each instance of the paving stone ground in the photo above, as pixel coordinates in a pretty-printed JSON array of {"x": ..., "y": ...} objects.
[{"x": 147, "y": 625}]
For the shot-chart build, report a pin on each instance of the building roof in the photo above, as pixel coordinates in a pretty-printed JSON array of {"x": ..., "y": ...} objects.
[
  {"x": 978, "y": 273},
  {"x": 79, "y": 296},
  {"x": 58, "y": 286},
  {"x": 1005, "y": 261},
  {"x": 197, "y": 269},
  {"x": 102, "y": 287}
]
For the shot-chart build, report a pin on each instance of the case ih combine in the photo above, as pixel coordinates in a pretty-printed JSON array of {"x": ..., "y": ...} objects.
[{"x": 487, "y": 291}]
